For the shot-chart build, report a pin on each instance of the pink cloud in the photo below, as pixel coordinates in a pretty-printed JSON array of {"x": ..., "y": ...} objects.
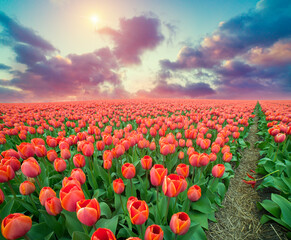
[
  {"x": 135, "y": 36},
  {"x": 277, "y": 54}
]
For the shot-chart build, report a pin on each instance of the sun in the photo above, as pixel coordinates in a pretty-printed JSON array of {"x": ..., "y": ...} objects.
[{"x": 94, "y": 19}]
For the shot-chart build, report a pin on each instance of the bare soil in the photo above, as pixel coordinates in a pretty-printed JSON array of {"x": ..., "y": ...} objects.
[{"x": 240, "y": 218}]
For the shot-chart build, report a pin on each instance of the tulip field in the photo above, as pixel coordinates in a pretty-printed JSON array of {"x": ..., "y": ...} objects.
[{"x": 136, "y": 169}]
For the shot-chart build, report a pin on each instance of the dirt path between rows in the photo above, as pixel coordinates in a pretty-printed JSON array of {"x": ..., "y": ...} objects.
[{"x": 240, "y": 218}]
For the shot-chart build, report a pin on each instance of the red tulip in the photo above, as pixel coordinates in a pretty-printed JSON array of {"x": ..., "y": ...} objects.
[
  {"x": 45, "y": 193},
  {"x": 118, "y": 186},
  {"x": 6, "y": 173},
  {"x": 70, "y": 195},
  {"x": 180, "y": 223},
  {"x": 12, "y": 162},
  {"x": 30, "y": 168},
  {"x": 227, "y": 156},
  {"x": 130, "y": 200},
  {"x": 183, "y": 170},
  {"x": 88, "y": 149},
  {"x": 60, "y": 165},
  {"x": 65, "y": 153},
  {"x": 100, "y": 145},
  {"x": 103, "y": 234},
  {"x": 157, "y": 174},
  {"x": 15, "y": 225},
  {"x": 154, "y": 232},
  {"x": 51, "y": 155},
  {"x": 194, "y": 193},
  {"x": 218, "y": 170},
  {"x": 53, "y": 206},
  {"x": 280, "y": 137},
  {"x": 79, "y": 160},
  {"x": 10, "y": 153},
  {"x": 172, "y": 185},
  {"x": 26, "y": 150},
  {"x": 79, "y": 175},
  {"x": 26, "y": 188},
  {"x": 138, "y": 212},
  {"x": 146, "y": 162},
  {"x": 88, "y": 211},
  {"x": 40, "y": 151},
  {"x": 128, "y": 170}
]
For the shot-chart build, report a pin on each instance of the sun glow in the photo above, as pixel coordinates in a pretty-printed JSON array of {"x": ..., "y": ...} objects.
[{"x": 94, "y": 19}]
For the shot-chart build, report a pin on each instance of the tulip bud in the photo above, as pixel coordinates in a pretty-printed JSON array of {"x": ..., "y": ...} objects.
[
  {"x": 30, "y": 167},
  {"x": 227, "y": 156},
  {"x": 146, "y": 162},
  {"x": 138, "y": 212},
  {"x": 172, "y": 185},
  {"x": 103, "y": 234},
  {"x": 280, "y": 137},
  {"x": 26, "y": 188},
  {"x": 157, "y": 174},
  {"x": 194, "y": 193},
  {"x": 79, "y": 160},
  {"x": 180, "y": 223},
  {"x": 128, "y": 170},
  {"x": 15, "y": 225},
  {"x": 45, "y": 193},
  {"x": 118, "y": 186},
  {"x": 60, "y": 165},
  {"x": 53, "y": 206},
  {"x": 51, "y": 155},
  {"x": 70, "y": 195},
  {"x": 154, "y": 232},
  {"x": 79, "y": 175},
  {"x": 183, "y": 170},
  {"x": 218, "y": 170},
  {"x": 88, "y": 211}
]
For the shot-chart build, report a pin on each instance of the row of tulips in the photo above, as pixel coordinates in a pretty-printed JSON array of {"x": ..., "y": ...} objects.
[
  {"x": 275, "y": 164},
  {"x": 110, "y": 156}
]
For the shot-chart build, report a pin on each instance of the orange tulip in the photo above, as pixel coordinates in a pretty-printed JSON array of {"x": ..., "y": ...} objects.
[
  {"x": 103, "y": 234},
  {"x": 227, "y": 156},
  {"x": 10, "y": 153},
  {"x": 79, "y": 175},
  {"x": 146, "y": 162},
  {"x": 65, "y": 153},
  {"x": 79, "y": 160},
  {"x": 203, "y": 159},
  {"x": 60, "y": 165},
  {"x": 193, "y": 159},
  {"x": 12, "y": 162},
  {"x": 53, "y": 206},
  {"x": 118, "y": 186},
  {"x": 6, "y": 173},
  {"x": 40, "y": 151},
  {"x": 30, "y": 167},
  {"x": 37, "y": 141},
  {"x": 70, "y": 180},
  {"x": 218, "y": 170},
  {"x": 154, "y": 232},
  {"x": 128, "y": 170},
  {"x": 194, "y": 193},
  {"x": 88, "y": 211},
  {"x": 100, "y": 145},
  {"x": 280, "y": 137},
  {"x": 180, "y": 223},
  {"x": 157, "y": 174},
  {"x": 183, "y": 170},
  {"x": 15, "y": 225},
  {"x": 70, "y": 195},
  {"x": 26, "y": 188},
  {"x": 88, "y": 149},
  {"x": 172, "y": 185},
  {"x": 26, "y": 150},
  {"x": 130, "y": 200},
  {"x": 45, "y": 193},
  {"x": 51, "y": 155},
  {"x": 138, "y": 212}
]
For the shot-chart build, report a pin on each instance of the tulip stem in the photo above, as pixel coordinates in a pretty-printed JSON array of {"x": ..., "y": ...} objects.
[
  {"x": 176, "y": 236},
  {"x": 26, "y": 237},
  {"x": 85, "y": 229},
  {"x": 38, "y": 183},
  {"x": 131, "y": 187},
  {"x": 157, "y": 187},
  {"x": 168, "y": 204},
  {"x": 122, "y": 204},
  {"x": 109, "y": 176},
  {"x": 94, "y": 226},
  {"x": 175, "y": 203},
  {"x": 192, "y": 180},
  {"x": 276, "y": 153},
  {"x": 11, "y": 189},
  {"x": 32, "y": 202},
  {"x": 140, "y": 228}
]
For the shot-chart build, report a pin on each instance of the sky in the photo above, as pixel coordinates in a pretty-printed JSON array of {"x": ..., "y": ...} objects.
[{"x": 214, "y": 49}]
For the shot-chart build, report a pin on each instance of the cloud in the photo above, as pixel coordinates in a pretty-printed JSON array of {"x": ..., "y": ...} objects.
[
  {"x": 48, "y": 76},
  {"x": 239, "y": 51},
  {"x": 135, "y": 36},
  {"x": 4, "y": 67},
  {"x": 278, "y": 54},
  {"x": 174, "y": 90},
  {"x": 14, "y": 31}
]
